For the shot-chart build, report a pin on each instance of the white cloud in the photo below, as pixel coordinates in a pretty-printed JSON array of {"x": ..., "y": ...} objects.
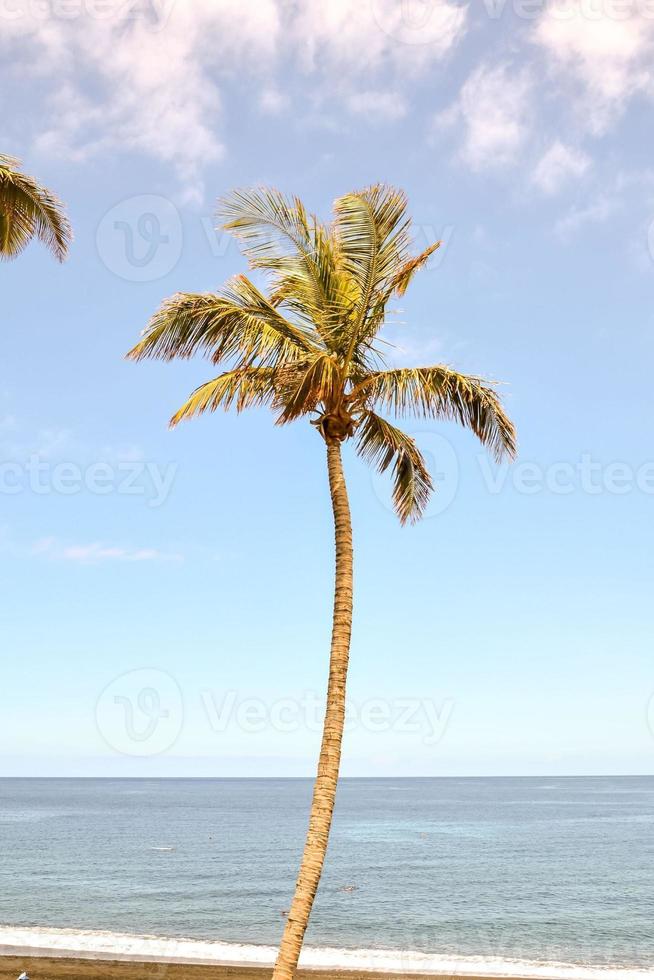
[
  {"x": 96, "y": 552},
  {"x": 413, "y": 347},
  {"x": 17, "y": 443},
  {"x": 272, "y": 101},
  {"x": 608, "y": 57},
  {"x": 122, "y": 453},
  {"x": 378, "y": 106},
  {"x": 153, "y": 84},
  {"x": 594, "y": 213},
  {"x": 626, "y": 188},
  {"x": 493, "y": 110},
  {"x": 46, "y": 443},
  {"x": 356, "y": 37},
  {"x": 558, "y": 164},
  {"x": 596, "y": 58},
  {"x": 127, "y": 81}
]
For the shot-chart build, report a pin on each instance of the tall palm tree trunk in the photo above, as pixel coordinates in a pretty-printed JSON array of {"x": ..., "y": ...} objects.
[{"x": 324, "y": 793}]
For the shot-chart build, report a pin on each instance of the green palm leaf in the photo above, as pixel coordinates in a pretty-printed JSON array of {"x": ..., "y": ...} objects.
[
  {"x": 281, "y": 238},
  {"x": 238, "y": 323},
  {"x": 243, "y": 388},
  {"x": 28, "y": 210},
  {"x": 374, "y": 238},
  {"x": 439, "y": 392},
  {"x": 382, "y": 445}
]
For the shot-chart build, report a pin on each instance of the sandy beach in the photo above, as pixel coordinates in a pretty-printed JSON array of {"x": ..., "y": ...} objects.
[
  {"x": 89, "y": 968},
  {"x": 55, "y": 968}
]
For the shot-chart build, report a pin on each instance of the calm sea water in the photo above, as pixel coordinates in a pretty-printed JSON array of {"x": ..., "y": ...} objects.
[{"x": 549, "y": 870}]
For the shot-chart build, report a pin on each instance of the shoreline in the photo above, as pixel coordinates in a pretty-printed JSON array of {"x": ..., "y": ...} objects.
[{"x": 86, "y": 953}]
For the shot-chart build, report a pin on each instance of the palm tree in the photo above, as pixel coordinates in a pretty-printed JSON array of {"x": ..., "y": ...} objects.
[
  {"x": 310, "y": 347},
  {"x": 27, "y": 210}
]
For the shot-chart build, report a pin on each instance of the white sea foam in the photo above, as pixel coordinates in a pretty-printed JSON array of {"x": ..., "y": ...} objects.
[{"x": 108, "y": 945}]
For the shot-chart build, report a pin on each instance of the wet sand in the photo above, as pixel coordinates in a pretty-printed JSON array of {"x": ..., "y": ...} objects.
[{"x": 56, "y": 968}]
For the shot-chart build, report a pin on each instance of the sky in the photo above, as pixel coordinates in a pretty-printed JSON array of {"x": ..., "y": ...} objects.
[{"x": 166, "y": 595}]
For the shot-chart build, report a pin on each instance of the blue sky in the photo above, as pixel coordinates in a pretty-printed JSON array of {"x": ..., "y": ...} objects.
[{"x": 166, "y": 595}]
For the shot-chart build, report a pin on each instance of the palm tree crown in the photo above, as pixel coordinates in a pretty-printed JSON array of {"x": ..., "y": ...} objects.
[
  {"x": 310, "y": 346},
  {"x": 27, "y": 210}
]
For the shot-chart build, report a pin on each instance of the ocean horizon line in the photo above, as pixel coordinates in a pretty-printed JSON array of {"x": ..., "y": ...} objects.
[{"x": 311, "y": 777}]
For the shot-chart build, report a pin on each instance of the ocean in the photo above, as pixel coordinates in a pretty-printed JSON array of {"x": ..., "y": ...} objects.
[{"x": 507, "y": 877}]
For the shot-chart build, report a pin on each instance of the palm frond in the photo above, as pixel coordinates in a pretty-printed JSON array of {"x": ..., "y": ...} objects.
[
  {"x": 271, "y": 227},
  {"x": 383, "y": 445},
  {"x": 439, "y": 392},
  {"x": 402, "y": 278},
  {"x": 318, "y": 382},
  {"x": 279, "y": 236},
  {"x": 314, "y": 291},
  {"x": 28, "y": 210},
  {"x": 373, "y": 233},
  {"x": 239, "y": 322},
  {"x": 247, "y": 387}
]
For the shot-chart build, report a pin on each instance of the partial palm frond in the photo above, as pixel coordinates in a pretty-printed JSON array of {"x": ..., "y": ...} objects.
[
  {"x": 279, "y": 236},
  {"x": 28, "y": 210},
  {"x": 246, "y": 388},
  {"x": 440, "y": 392},
  {"x": 382, "y": 444},
  {"x": 405, "y": 274},
  {"x": 270, "y": 227},
  {"x": 302, "y": 391},
  {"x": 313, "y": 289},
  {"x": 396, "y": 285},
  {"x": 373, "y": 233},
  {"x": 239, "y": 322}
]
